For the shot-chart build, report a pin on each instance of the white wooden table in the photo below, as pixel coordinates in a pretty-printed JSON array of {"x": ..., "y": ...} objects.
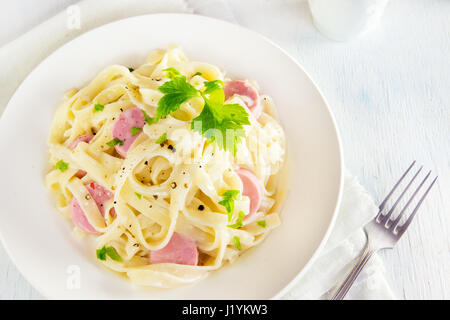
[{"x": 390, "y": 93}]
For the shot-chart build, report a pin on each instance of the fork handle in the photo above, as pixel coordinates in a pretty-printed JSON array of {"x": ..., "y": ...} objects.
[{"x": 354, "y": 273}]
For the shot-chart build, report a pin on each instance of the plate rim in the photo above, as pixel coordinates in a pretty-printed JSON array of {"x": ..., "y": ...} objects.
[{"x": 337, "y": 200}]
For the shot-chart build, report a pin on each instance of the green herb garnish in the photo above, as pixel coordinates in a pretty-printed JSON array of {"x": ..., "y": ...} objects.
[
  {"x": 222, "y": 124},
  {"x": 130, "y": 69},
  {"x": 147, "y": 119},
  {"x": 98, "y": 107},
  {"x": 114, "y": 142},
  {"x": 229, "y": 197},
  {"x": 110, "y": 252},
  {"x": 238, "y": 223},
  {"x": 172, "y": 72},
  {"x": 176, "y": 91},
  {"x": 101, "y": 253},
  {"x": 262, "y": 223},
  {"x": 62, "y": 166},
  {"x": 237, "y": 242},
  {"x": 161, "y": 139},
  {"x": 197, "y": 74},
  {"x": 215, "y": 90},
  {"x": 138, "y": 195},
  {"x": 218, "y": 122},
  {"x": 135, "y": 130}
]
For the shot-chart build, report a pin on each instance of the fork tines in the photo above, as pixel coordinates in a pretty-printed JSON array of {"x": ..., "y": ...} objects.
[{"x": 387, "y": 218}]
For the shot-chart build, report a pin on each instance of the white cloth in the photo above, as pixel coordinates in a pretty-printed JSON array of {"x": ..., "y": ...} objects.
[{"x": 347, "y": 239}]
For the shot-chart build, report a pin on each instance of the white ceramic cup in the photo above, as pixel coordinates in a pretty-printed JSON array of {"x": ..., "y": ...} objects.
[{"x": 342, "y": 20}]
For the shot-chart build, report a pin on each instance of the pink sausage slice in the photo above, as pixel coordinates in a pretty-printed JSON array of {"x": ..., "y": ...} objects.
[
  {"x": 84, "y": 138},
  {"x": 243, "y": 88},
  {"x": 100, "y": 196},
  {"x": 122, "y": 129},
  {"x": 180, "y": 250},
  {"x": 253, "y": 189}
]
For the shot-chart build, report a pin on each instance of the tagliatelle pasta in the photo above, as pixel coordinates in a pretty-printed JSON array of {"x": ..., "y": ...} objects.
[{"x": 166, "y": 202}]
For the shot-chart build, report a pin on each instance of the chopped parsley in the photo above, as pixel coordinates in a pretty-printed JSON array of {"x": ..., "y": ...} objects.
[
  {"x": 147, "y": 119},
  {"x": 229, "y": 197},
  {"x": 131, "y": 69},
  {"x": 261, "y": 223},
  {"x": 197, "y": 74},
  {"x": 62, "y": 166},
  {"x": 238, "y": 223},
  {"x": 237, "y": 242},
  {"x": 161, "y": 139},
  {"x": 138, "y": 195},
  {"x": 135, "y": 130},
  {"x": 98, "y": 107},
  {"x": 110, "y": 252},
  {"x": 114, "y": 142},
  {"x": 172, "y": 72}
]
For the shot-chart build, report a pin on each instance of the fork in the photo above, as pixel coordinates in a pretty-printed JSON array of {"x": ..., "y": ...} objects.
[{"x": 383, "y": 232}]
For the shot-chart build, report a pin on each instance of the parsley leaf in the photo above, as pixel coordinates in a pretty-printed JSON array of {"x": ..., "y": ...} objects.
[
  {"x": 138, "y": 195},
  {"x": 238, "y": 224},
  {"x": 237, "y": 242},
  {"x": 135, "y": 130},
  {"x": 172, "y": 72},
  {"x": 218, "y": 122},
  {"x": 110, "y": 252},
  {"x": 261, "y": 223},
  {"x": 214, "y": 85},
  {"x": 161, "y": 139},
  {"x": 131, "y": 69},
  {"x": 115, "y": 141},
  {"x": 222, "y": 124},
  {"x": 147, "y": 119},
  {"x": 197, "y": 74},
  {"x": 98, "y": 107},
  {"x": 215, "y": 91},
  {"x": 62, "y": 166},
  {"x": 101, "y": 253},
  {"x": 176, "y": 91},
  {"x": 228, "y": 201}
]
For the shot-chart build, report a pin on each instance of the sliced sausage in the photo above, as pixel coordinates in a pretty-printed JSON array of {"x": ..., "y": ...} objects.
[
  {"x": 245, "y": 89},
  {"x": 83, "y": 138},
  {"x": 122, "y": 129},
  {"x": 180, "y": 249},
  {"x": 252, "y": 188},
  {"x": 100, "y": 196}
]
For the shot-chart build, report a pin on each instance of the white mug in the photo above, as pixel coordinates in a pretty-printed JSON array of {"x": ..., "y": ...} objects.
[{"x": 342, "y": 20}]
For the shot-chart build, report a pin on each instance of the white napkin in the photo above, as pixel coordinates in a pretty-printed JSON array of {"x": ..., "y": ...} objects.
[{"x": 20, "y": 56}]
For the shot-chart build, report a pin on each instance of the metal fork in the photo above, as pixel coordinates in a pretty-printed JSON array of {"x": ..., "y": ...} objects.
[{"x": 383, "y": 232}]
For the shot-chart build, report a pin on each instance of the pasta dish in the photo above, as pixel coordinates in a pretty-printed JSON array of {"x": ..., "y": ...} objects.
[{"x": 173, "y": 167}]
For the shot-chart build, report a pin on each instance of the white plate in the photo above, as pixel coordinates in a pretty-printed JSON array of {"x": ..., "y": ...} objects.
[{"x": 39, "y": 240}]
